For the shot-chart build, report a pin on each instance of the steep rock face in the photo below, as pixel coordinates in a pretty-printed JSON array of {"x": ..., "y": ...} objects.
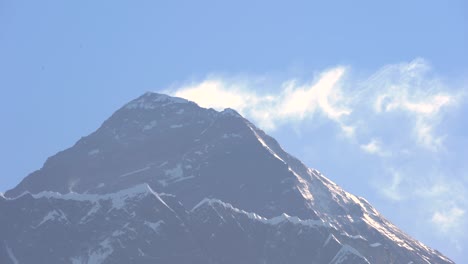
[
  {"x": 137, "y": 226},
  {"x": 177, "y": 147},
  {"x": 198, "y": 154},
  {"x": 133, "y": 224}
]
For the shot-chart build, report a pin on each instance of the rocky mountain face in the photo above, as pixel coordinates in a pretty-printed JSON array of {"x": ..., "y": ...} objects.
[{"x": 166, "y": 181}]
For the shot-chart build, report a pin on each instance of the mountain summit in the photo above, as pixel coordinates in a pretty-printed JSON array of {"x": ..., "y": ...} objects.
[{"x": 166, "y": 181}]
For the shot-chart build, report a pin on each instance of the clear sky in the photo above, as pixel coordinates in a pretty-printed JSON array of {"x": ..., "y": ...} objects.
[{"x": 372, "y": 93}]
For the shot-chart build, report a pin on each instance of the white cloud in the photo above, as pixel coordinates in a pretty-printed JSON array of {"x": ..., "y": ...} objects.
[
  {"x": 442, "y": 198},
  {"x": 217, "y": 94},
  {"x": 392, "y": 190},
  {"x": 423, "y": 110},
  {"x": 399, "y": 88},
  {"x": 299, "y": 101},
  {"x": 430, "y": 106},
  {"x": 374, "y": 147},
  {"x": 434, "y": 190},
  {"x": 425, "y": 136},
  {"x": 293, "y": 102},
  {"x": 395, "y": 114},
  {"x": 448, "y": 220},
  {"x": 397, "y": 99},
  {"x": 406, "y": 88},
  {"x": 447, "y": 203}
]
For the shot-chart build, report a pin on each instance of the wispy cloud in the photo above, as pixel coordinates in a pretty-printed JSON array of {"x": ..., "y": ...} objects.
[
  {"x": 374, "y": 147},
  {"x": 219, "y": 94},
  {"x": 449, "y": 220},
  {"x": 293, "y": 101},
  {"x": 392, "y": 190},
  {"x": 348, "y": 102},
  {"x": 298, "y": 101},
  {"x": 408, "y": 88},
  {"x": 393, "y": 114},
  {"x": 440, "y": 199}
]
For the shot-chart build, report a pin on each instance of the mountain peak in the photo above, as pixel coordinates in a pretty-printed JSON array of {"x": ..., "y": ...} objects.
[
  {"x": 171, "y": 145},
  {"x": 230, "y": 112},
  {"x": 152, "y": 100}
]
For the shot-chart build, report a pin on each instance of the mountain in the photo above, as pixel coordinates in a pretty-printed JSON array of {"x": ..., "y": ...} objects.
[{"x": 166, "y": 181}]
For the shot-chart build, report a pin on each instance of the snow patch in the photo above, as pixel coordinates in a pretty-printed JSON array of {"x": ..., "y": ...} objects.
[
  {"x": 150, "y": 126},
  {"x": 294, "y": 220},
  {"x": 135, "y": 171},
  {"x": 183, "y": 179},
  {"x": 375, "y": 245},
  {"x": 55, "y": 215},
  {"x": 329, "y": 238},
  {"x": 212, "y": 202},
  {"x": 154, "y": 100},
  {"x": 155, "y": 226},
  {"x": 303, "y": 186},
  {"x": 162, "y": 164},
  {"x": 174, "y": 175},
  {"x": 384, "y": 231},
  {"x": 118, "y": 199},
  {"x": 93, "y": 152},
  {"x": 90, "y": 213},
  {"x": 355, "y": 236},
  {"x": 345, "y": 253},
  {"x": 231, "y": 135},
  {"x": 117, "y": 233},
  {"x": 262, "y": 142},
  {"x": 284, "y": 218},
  {"x": 175, "y": 172},
  {"x": 101, "y": 253},
  {"x": 11, "y": 255}
]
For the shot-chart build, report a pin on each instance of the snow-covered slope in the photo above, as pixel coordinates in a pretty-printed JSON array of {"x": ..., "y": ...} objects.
[
  {"x": 137, "y": 225},
  {"x": 215, "y": 166}
]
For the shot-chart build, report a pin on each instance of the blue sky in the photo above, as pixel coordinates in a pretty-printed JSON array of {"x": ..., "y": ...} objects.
[{"x": 373, "y": 94}]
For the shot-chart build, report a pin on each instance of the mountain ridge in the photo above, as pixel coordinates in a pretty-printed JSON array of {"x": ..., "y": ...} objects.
[{"x": 164, "y": 144}]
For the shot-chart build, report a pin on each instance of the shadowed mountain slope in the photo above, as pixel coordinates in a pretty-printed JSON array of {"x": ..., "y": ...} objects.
[{"x": 164, "y": 180}]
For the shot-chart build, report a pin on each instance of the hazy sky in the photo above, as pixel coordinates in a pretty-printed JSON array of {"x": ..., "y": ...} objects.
[{"x": 372, "y": 94}]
